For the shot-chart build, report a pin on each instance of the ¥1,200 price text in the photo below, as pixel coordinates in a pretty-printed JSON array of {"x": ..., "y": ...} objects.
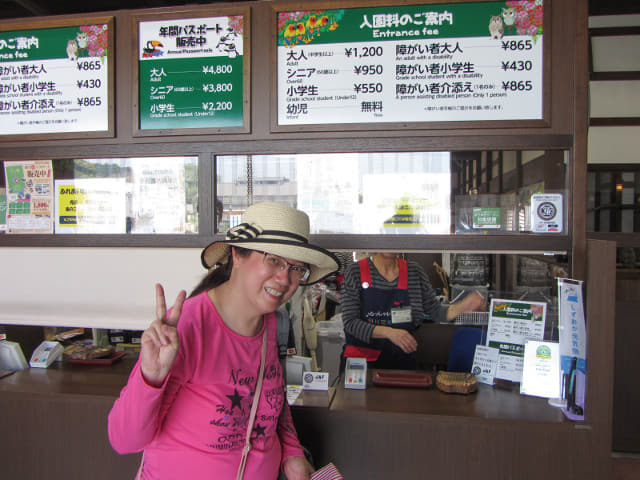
[{"x": 361, "y": 52}]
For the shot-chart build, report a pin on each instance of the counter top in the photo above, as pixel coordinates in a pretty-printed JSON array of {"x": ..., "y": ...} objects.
[
  {"x": 65, "y": 378},
  {"x": 489, "y": 403}
]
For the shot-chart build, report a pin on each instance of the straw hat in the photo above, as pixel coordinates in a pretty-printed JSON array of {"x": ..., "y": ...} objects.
[{"x": 278, "y": 229}]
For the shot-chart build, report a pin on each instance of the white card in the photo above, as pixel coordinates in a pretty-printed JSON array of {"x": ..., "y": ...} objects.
[
  {"x": 541, "y": 369},
  {"x": 485, "y": 363}
]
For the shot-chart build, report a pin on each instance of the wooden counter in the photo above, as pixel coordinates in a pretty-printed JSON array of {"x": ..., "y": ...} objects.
[
  {"x": 488, "y": 403},
  {"x": 54, "y": 423},
  {"x": 383, "y": 432}
]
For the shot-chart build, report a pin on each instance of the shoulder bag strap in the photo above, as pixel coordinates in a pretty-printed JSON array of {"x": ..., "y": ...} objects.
[{"x": 254, "y": 407}]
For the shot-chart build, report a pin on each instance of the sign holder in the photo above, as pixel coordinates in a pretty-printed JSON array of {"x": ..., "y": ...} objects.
[
  {"x": 299, "y": 112},
  {"x": 210, "y": 104},
  {"x": 53, "y": 78}
]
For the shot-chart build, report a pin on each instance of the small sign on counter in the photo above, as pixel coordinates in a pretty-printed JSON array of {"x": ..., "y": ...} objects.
[{"x": 315, "y": 380}]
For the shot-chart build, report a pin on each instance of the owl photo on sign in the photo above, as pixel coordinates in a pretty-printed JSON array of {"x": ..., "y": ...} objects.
[
  {"x": 509, "y": 17},
  {"x": 72, "y": 50},
  {"x": 496, "y": 27},
  {"x": 82, "y": 39}
]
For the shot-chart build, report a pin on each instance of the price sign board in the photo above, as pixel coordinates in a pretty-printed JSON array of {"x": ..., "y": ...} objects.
[
  {"x": 192, "y": 73},
  {"x": 56, "y": 80},
  {"x": 411, "y": 63}
]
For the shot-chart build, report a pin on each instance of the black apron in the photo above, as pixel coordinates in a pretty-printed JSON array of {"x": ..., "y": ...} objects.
[{"x": 375, "y": 308}]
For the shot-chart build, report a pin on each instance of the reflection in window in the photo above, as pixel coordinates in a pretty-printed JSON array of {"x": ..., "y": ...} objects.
[
  {"x": 153, "y": 195},
  {"x": 344, "y": 193},
  {"x": 487, "y": 192},
  {"x": 613, "y": 201},
  {"x": 119, "y": 195}
]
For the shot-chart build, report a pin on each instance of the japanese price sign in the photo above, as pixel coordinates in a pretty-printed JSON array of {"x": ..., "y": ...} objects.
[
  {"x": 411, "y": 63},
  {"x": 54, "y": 80},
  {"x": 191, "y": 73},
  {"x": 510, "y": 324}
]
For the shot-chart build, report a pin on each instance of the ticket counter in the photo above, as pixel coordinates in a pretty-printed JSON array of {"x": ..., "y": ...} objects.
[{"x": 57, "y": 419}]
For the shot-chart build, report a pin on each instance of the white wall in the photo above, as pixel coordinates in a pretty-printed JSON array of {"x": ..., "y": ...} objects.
[
  {"x": 614, "y": 145},
  {"x": 615, "y": 99},
  {"x": 92, "y": 287}
]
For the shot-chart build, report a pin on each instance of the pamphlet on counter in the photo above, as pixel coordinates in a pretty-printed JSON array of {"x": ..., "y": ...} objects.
[{"x": 511, "y": 323}]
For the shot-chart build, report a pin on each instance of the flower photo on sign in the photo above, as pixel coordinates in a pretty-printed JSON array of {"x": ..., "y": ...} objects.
[
  {"x": 90, "y": 41},
  {"x": 526, "y": 16}
]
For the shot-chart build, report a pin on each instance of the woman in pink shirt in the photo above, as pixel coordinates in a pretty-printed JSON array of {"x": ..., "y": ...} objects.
[{"x": 188, "y": 402}]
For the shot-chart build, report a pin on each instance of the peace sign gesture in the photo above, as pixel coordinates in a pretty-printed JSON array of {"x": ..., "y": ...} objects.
[{"x": 159, "y": 343}]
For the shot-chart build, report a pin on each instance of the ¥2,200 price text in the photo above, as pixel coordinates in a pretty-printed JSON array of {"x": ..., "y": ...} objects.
[{"x": 216, "y": 106}]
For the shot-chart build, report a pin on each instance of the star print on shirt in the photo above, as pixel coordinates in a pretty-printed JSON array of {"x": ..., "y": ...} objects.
[
  {"x": 259, "y": 430},
  {"x": 235, "y": 399}
]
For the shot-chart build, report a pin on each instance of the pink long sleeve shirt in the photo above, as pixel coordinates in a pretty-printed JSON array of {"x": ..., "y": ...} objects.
[{"x": 194, "y": 426}]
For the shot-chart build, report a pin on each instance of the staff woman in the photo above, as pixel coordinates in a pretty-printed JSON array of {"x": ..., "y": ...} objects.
[
  {"x": 188, "y": 402},
  {"x": 384, "y": 298}
]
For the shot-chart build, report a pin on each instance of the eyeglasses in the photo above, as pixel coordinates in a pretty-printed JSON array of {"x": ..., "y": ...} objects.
[{"x": 276, "y": 264}]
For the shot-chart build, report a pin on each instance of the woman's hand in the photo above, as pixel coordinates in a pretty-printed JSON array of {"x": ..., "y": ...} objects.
[
  {"x": 397, "y": 336},
  {"x": 297, "y": 468},
  {"x": 159, "y": 343},
  {"x": 473, "y": 302}
]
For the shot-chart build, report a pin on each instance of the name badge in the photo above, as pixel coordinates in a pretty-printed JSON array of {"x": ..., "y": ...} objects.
[{"x": 400, "y": 315}]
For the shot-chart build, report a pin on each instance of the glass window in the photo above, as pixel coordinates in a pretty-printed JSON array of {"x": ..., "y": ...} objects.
[
  {"x": 397, "y": 193},
  {"x": 104, "y": 195},
  {"x": 613, "y": 201}
]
